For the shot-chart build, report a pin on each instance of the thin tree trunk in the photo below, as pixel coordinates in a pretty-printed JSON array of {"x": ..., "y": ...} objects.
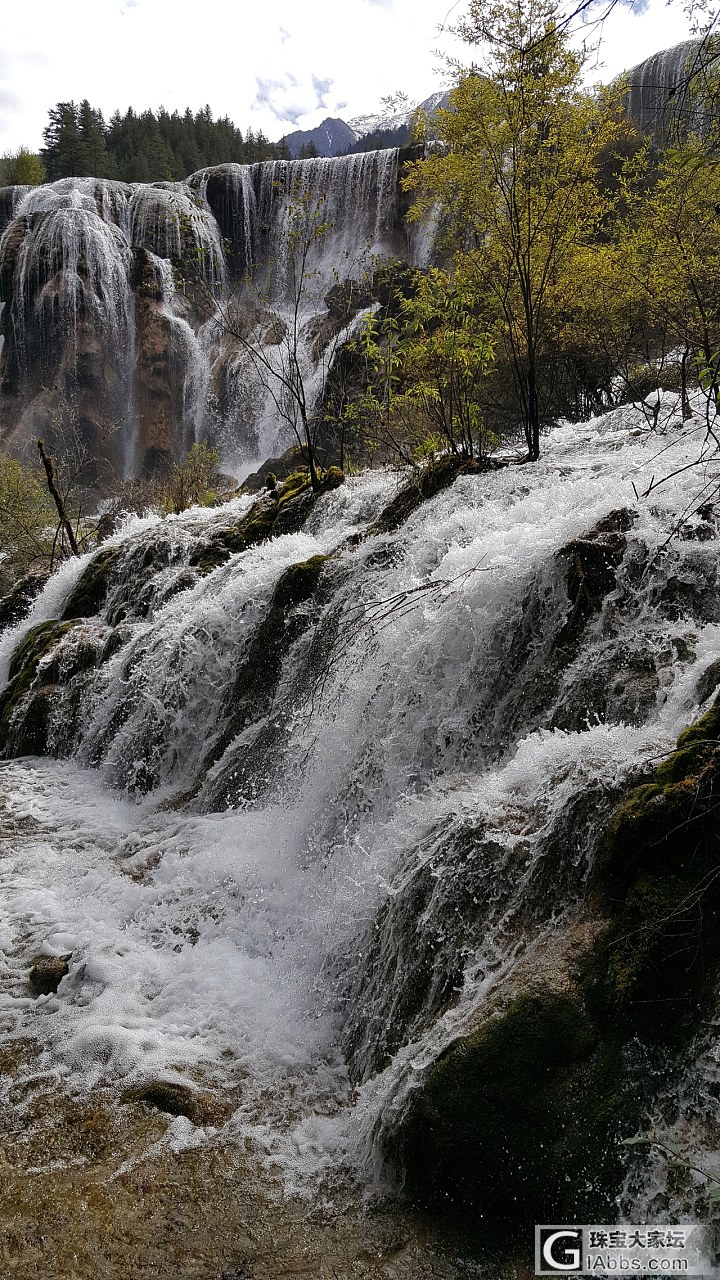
[
  {"x": 685, "y": 400},
  {"x": 533, "y": 433},
  {"x": 57, "y": 498}
]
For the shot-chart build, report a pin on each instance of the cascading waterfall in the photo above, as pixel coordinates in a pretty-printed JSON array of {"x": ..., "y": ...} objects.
[
  {"x": 69, "y": 307},
  {"x": 659, "y": 98},
  {"x": 169, "y": 222},
  {"x": 341, "y": 790},
  {"x": 96, "y": 329},
  {"x": 251, "y": 204}
]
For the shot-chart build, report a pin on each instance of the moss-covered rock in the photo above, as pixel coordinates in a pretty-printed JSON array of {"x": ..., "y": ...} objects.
[
  {"x": 284, "y": 510},
  {"x": 37, "y": 644},
  {"x": 259, "y": 673},
  {"x": 524, "y": 1117},
  {"x": 659, "y": 875},
  {"x": 90, "y": 591},
  {"x": 280, "y": 468},
  {"x": 16, "y": 604},
  {"x": 521, "y": 1118},
  {"x": 331, "y": 478},
  {"x": 37, "y": 668}
]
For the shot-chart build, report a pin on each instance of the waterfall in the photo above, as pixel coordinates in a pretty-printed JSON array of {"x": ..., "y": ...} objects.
[
  {"x": 108, "y": 290},
  {"x": 659, "y": 98},
  {"x": 334, "y": 793},
  {"x": 67, "y": 297},
  {"x": 356, "y": 196}
]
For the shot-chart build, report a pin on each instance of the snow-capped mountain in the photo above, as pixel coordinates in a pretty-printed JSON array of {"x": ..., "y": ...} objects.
[
  {"x": 395, "y": 120},
  {"x": 335, "y": 137}
]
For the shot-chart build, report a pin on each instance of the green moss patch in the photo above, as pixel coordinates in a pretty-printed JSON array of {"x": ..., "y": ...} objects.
[
  {"x": 511, "y": 1120},
  {"x": 659, "y": 878},
  {"x": 283, "y": 511},
  {"x": 90, "y": 591}
]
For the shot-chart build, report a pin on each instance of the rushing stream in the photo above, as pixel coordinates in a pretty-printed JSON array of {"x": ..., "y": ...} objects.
[{"x": 294, "y": 897}]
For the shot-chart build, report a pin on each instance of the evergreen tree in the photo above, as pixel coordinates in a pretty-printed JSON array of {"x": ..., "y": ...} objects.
[
  {"x": 149, "y": 147},
  {"x": 63, "y": 153},
  {"x": 95, "y": 157}
]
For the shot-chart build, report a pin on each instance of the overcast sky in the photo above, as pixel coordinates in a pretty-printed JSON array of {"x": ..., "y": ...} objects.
[{"x": 270, "y": 64}]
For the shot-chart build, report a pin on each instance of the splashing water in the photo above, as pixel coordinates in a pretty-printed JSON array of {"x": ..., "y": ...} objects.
[{"x": 322, "y": 878}]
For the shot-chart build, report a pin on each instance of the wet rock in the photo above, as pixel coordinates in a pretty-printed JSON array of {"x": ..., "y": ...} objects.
[
  {"x": 201, "y": 1108},
  {"x": 702, "y": 525},
  {"x": 16, "y": 604},
  {"x": 36, "y": 645},
  {"x": 659, "y": 873},
  {"x": 708, "y": 681},
  {"x": 42, "y": 688},
  {"x": 424, "y": 484},
  {"x": 517, "y": 1119},
  {"x": 618, "y": 686},
  {"x": 592, "y": 564},
  {"x": 282, "y": 511},
  {"x": 259, "y": 673},
  {"x": 90, "y": 591},
  {"x": 47, "y": 973},
  {"x": 692, "y": 592},
  {"x": 159, "y": 394}
]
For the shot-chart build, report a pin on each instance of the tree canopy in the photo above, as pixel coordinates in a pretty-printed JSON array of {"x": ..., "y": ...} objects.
[
  {"x": 518, "y": 180},
  {"x": 21, "y": 168},
  {"x": 144, "y": 147}
]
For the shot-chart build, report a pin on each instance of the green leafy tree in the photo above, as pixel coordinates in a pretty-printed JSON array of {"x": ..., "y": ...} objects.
[
  {"x": 427, "y": 365},
  {"x": 518, "y": 182},
  {"x": 193, "y": 482},
  {"x": 22, "y": 168},
  {"x": 672, "y": 250},
  {"x": 28, "y": 521}
]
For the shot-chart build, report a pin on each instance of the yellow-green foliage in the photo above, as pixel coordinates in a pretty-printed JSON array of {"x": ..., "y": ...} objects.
[
  {"x": 21, "y": 168},
  {"x": 28, "y": 520},
  {"x": 194, "y": 482},
  {"x": 429, "y": 364},
  {"x": 518, "y": 180}
]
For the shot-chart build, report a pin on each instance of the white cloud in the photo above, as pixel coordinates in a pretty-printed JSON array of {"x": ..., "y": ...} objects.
[{"x": 314, "y": 59}]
